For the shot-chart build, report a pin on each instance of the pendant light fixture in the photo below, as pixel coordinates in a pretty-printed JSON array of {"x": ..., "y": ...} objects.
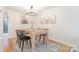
[{"x": 31, "y": 12}]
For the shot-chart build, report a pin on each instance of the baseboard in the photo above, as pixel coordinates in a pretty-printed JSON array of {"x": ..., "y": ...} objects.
[
  {"x": 60, "y": 42},
  {"x": 64, "y": 47}
]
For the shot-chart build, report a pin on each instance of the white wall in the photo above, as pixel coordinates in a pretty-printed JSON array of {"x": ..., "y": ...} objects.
[
  {"x": 67, "y": 24},
  {"x": 1, "y": 22}
]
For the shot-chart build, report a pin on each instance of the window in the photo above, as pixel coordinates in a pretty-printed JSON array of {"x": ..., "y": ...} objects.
[{"x": 5, "y": 24}]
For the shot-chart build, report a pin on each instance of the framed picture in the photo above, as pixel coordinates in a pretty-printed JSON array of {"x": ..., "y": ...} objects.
[
  {"x": 45, "y": 20},
  {"x": 24, "y": 21},
  {"x": 49, "y": 20}
]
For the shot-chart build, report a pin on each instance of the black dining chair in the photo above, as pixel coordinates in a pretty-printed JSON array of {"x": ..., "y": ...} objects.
[
  {"x": 38, "y": 35},
  {"x": 18, "y": 33},
  {"x": 44, "y": 35},
  {"x": 22, "y": 36}
]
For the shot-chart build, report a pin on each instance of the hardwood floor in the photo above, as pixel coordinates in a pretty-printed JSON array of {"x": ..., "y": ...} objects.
[
  {"x": 62, "y": 46},
  {"x": 10, "y": 47}
]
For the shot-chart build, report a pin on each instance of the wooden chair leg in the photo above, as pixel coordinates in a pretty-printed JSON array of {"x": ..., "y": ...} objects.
[
  {"x": 27, "y": 41},
  {"x": 30, "y": 43},
  {"x": 22, "y": 46},
  {"x": 46, "y": 40},
  {"x": 39, "y": 37},
  {"x": 36, "y": 37},
  {"x": 19, "y": 43},
  {"x": 43, "y": 39}
]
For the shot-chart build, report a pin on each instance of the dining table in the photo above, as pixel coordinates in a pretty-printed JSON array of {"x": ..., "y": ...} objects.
[{"x": 32, "y": 33}]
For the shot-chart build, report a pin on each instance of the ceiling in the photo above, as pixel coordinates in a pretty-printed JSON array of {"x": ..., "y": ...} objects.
[{"x": 25, "y": 8}]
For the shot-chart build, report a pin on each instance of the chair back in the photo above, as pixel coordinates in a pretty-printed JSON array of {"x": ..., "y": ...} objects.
[
  {"x": 45, "y": 31},
  {"x": 19, "y": 33}
]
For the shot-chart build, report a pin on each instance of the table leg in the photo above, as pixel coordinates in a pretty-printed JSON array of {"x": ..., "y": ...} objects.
[{"x": 33, "y": 42}]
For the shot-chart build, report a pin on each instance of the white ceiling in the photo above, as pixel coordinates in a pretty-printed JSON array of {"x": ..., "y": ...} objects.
[{"x": 24, "y": 8}]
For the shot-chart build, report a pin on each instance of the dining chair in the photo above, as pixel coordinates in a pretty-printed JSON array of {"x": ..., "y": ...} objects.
[
  {"x": 44, "y": 34},
  {"x": 18, "y": 33},
  {"x": 38, "y": 34},
  {"x": 22, "y": 36}
]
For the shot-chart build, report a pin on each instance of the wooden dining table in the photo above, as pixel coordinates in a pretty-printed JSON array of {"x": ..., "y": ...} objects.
[{"x": 32, "y": 33}]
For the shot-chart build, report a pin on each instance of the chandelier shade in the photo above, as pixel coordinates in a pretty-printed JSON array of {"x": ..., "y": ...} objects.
[{"x": 31, "y": 12}]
